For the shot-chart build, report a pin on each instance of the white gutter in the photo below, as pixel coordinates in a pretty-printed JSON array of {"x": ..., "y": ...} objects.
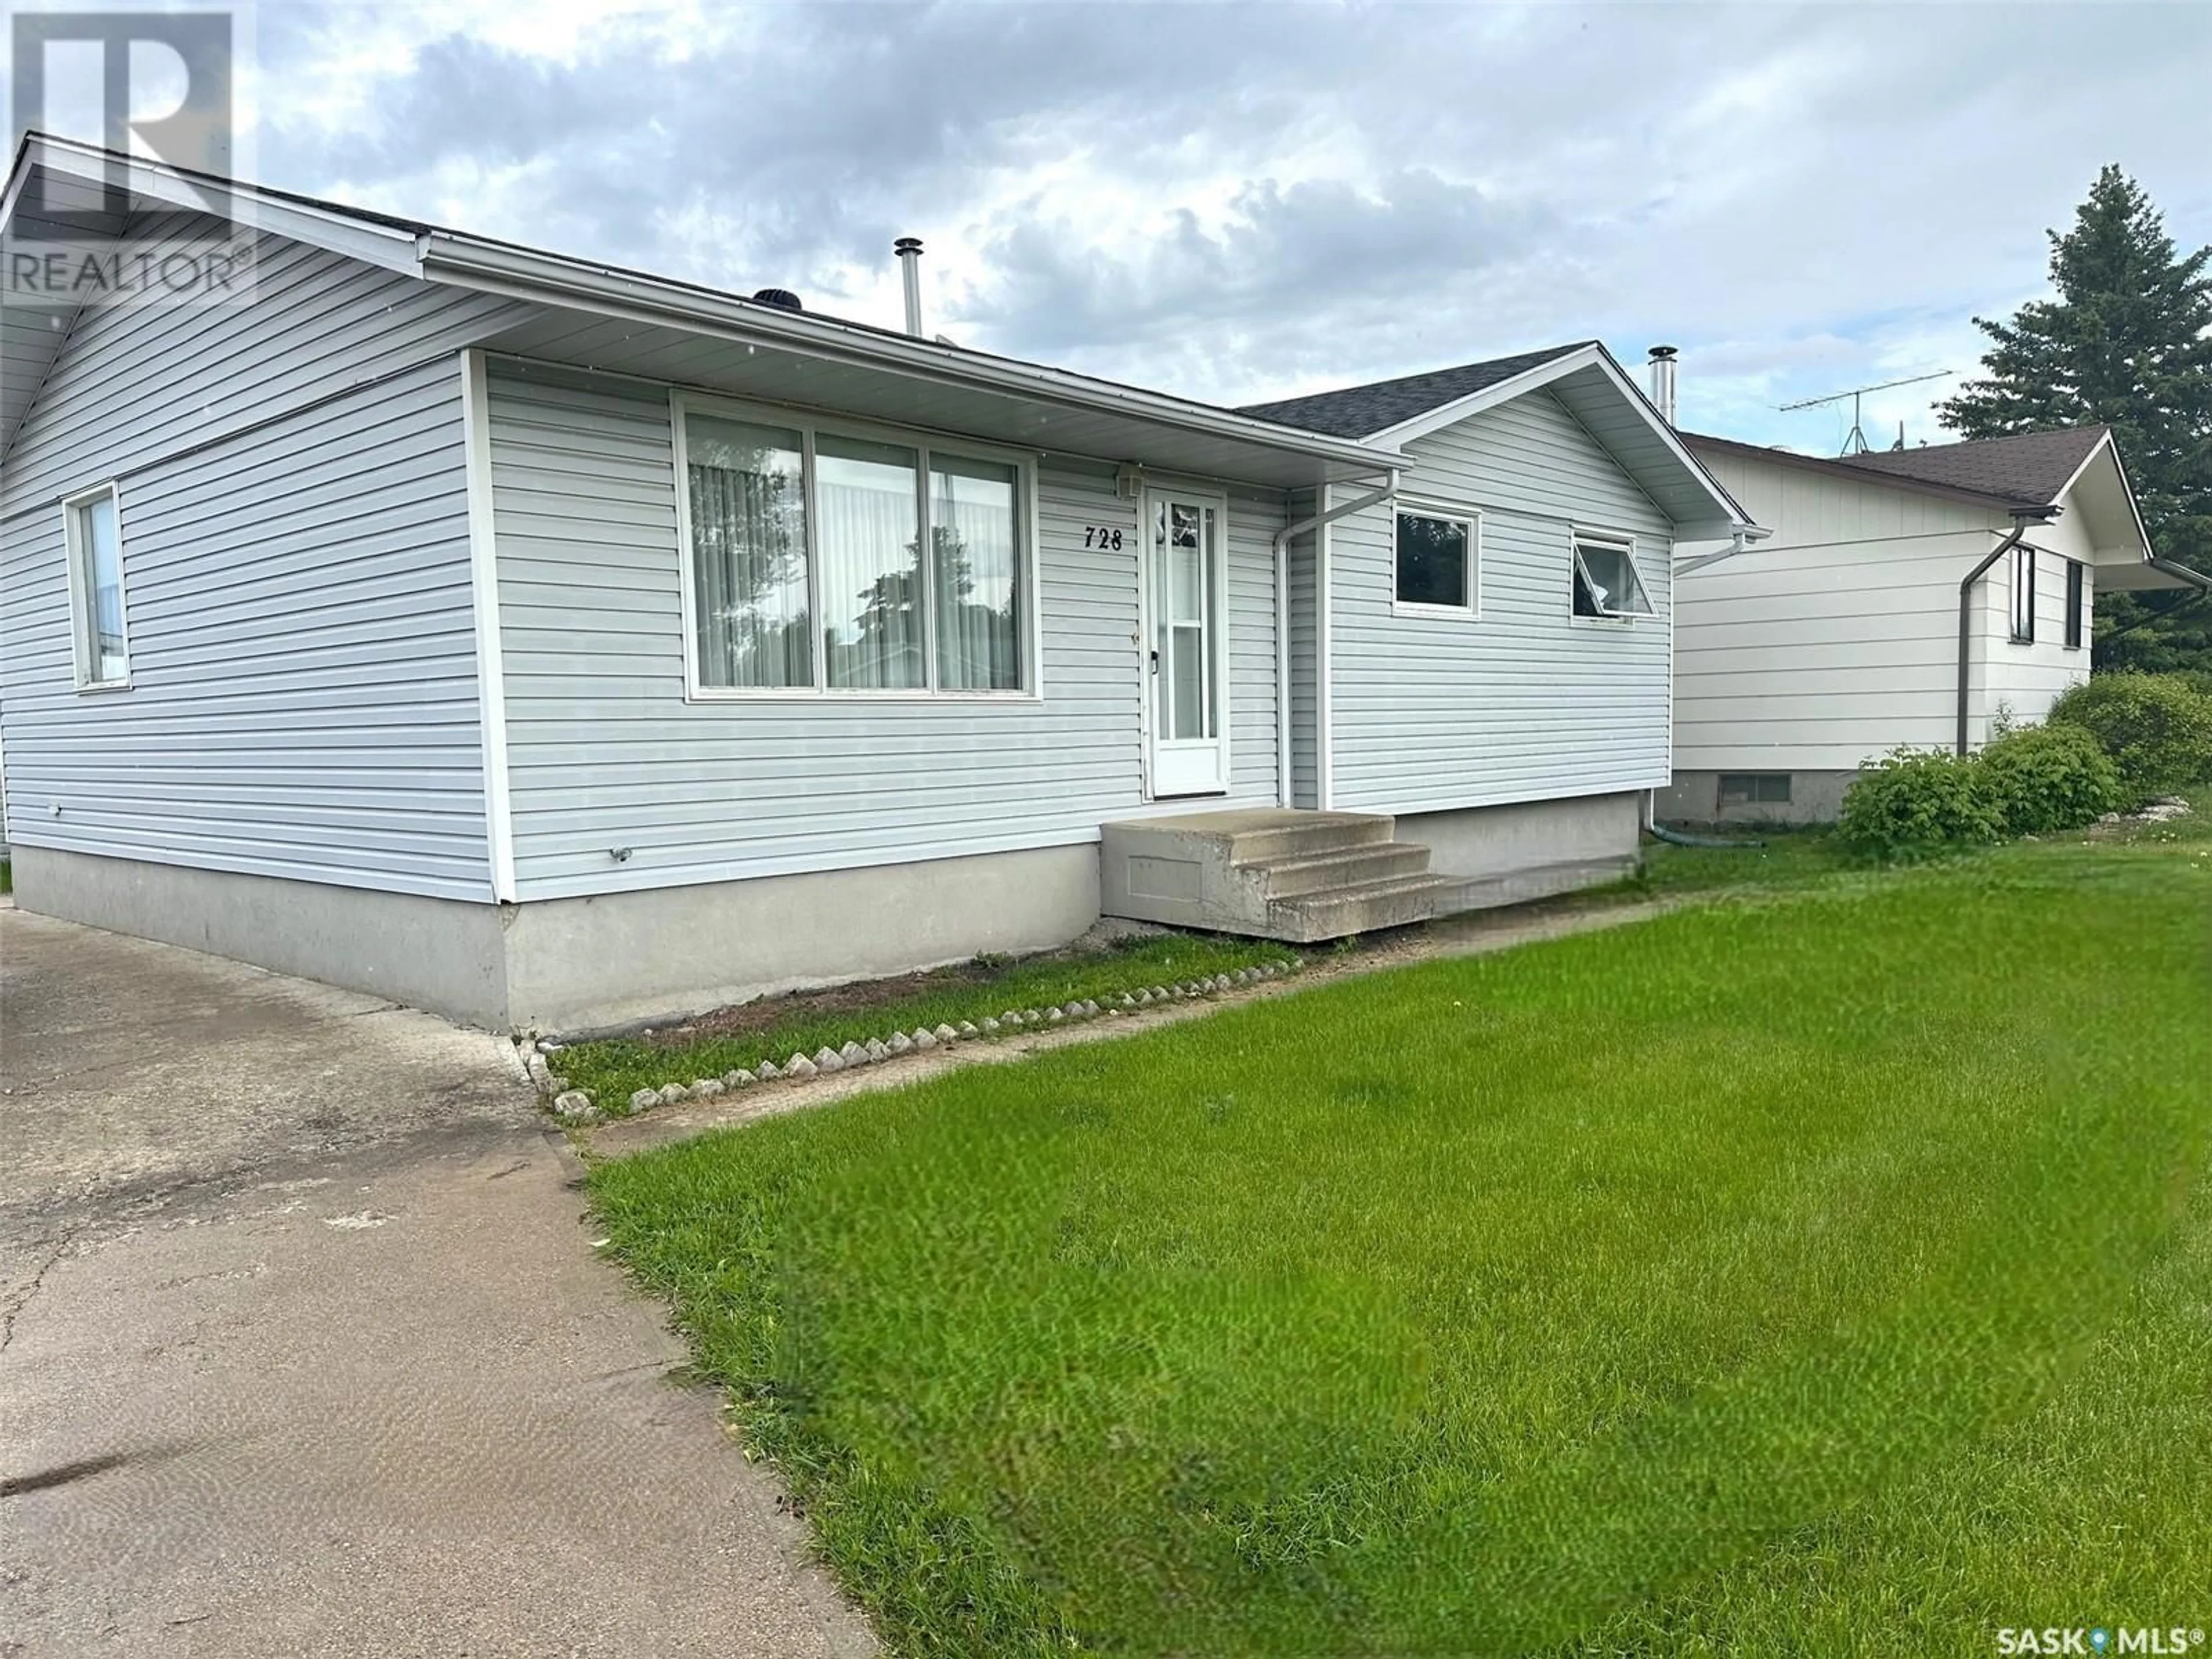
[
  {"x": 1284, "y": 536},
  {"x": 548, "y": 279}
]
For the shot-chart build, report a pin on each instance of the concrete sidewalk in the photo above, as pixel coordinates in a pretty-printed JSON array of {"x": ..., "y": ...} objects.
[{"x": 304, "y": 1349}]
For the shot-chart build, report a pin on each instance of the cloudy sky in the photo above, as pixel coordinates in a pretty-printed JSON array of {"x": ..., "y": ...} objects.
[{"x": 1235, "y": 203}]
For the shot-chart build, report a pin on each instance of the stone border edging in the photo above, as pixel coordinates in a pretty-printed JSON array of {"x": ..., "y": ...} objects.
[{"x": 574, "y": 1105}]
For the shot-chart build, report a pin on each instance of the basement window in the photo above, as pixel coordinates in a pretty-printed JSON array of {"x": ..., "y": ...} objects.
[
  {"x": 2077, "y": 593},
  {"x": 1438, "y": 559},
  {"x": 1605, "y": 582},
  {"x": 93, "y": 532},
  {"x": 1754, "y": 789}
]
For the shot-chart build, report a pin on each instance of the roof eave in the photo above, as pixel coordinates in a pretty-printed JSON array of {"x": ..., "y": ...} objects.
[
  {"x": 523, "y": 274},
  {"x": 1730, "y": 512}
]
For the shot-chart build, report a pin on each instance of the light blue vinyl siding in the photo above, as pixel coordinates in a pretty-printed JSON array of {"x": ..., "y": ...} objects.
[
  {"x": 293, "y": 510},
  {"x": 1528, "y": 702},
  {"x": 604, "y": 753}
]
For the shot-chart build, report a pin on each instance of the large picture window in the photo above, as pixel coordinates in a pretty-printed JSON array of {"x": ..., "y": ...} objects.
[
  {"x": 1438, "y": 556},
  {"x": 93, "y": 535},
  {"x": 830, "y": 560},
  {"x": 1605, "y": 582}
]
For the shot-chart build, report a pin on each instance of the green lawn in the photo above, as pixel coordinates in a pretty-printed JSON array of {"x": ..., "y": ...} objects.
[{"x": 1829, "y": 1273}]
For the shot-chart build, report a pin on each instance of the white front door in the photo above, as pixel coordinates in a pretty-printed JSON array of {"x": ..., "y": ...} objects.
[{"x": 1187, "y": 658}]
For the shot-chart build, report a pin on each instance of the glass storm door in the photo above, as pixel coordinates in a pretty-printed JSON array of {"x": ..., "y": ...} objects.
[{"x": 1186, "y": 593}]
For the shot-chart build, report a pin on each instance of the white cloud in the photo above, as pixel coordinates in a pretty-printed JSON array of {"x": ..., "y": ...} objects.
[{"x": 1239, "y": 203}]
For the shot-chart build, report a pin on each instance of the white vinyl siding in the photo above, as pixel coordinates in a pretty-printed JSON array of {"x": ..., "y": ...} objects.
[
  {"x": 303, "y": 697},
  {"x": 606, "y": 754},
  {"x": 1524, "y": 703},
  {"x": 1838, "y": 640}
]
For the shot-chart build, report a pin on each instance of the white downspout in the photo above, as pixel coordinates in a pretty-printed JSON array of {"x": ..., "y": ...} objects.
[{"x": 1283, "y": 539}]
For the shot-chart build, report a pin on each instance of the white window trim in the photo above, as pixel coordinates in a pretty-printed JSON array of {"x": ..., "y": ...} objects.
[
  {"x": 1624, "y": 539},
  {"x": 1471, "y": 517},
  {"x": 2077, "y": 571},
  {"x": 84, "y": 652},
  {"x": 922, "y": 441}
]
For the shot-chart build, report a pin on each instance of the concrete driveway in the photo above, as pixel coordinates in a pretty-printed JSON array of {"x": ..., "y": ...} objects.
[{"x": 304, "y": 1349}]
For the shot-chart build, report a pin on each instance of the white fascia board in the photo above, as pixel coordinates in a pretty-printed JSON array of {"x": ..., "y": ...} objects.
[
  {"x": 388, "y": 245},
  {"x": 2105, "y": 449},
  {"x": 521, "y": 273},
  {"x": 1569, "y": 362}
]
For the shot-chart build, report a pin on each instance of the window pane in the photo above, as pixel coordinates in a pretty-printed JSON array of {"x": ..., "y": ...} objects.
[
  {"x": 975, "y": 546},
  {"x": 102, "y": 552},
  {"x": 748, "y": 504},
  {"x": 2075, "y": 592},
  {"x": 1605, "y": 582},
  {"x": 2023, "y": 594},
  {"x": 1431, "y": 560},
  {"x": 870, "y": 537}
]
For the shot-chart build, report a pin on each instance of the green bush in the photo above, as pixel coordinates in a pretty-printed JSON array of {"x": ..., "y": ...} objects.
[
  {"x": 1913, "y": 802},
  {"x": 2043, "y": 778},
  {"x": 2156, "y": 727}
]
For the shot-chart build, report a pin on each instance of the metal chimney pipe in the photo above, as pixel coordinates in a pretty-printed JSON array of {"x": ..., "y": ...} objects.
[
  {"x": 909, "y": 249},
  {"x": 1663, "y": 381}
]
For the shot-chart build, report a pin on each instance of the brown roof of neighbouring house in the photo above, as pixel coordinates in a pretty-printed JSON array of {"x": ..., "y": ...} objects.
[{"x": 2028, "y": 466}]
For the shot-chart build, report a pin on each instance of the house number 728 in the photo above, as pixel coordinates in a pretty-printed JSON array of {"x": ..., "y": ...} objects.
[{"x": 1100, "y": 535}]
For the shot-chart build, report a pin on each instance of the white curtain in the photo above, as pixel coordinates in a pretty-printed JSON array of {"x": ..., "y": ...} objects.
[
  {"x": 976, "y": 571},
  {"x": 869, "y": 540},
  {"x": 748, "y": 554}
]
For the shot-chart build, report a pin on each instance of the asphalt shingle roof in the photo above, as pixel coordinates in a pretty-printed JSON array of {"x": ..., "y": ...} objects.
[
  {"x": 1360, "y": 411},
  {"x": 2030, "y": 466}
]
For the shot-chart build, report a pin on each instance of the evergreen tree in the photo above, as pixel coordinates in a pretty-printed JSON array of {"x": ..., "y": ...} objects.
[{"x": 2128, "y": 342}]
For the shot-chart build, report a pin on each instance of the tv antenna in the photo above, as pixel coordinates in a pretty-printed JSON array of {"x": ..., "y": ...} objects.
[{"x": 1857, "y": 443}]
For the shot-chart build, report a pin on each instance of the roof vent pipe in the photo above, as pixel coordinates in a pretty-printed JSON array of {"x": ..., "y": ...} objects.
[
  {"x": 1663, "y": 381},
  {"x": 909, "y": 249}
]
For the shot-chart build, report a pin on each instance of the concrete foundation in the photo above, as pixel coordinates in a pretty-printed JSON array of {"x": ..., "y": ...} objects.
[
  {"x": 579, "y": 964},
  {"x": 585, "y": 964},
  {"x": 440, "y": 954},
  {"x": 1483, "y": 842},
  {"x": 1815, "y": 797}
]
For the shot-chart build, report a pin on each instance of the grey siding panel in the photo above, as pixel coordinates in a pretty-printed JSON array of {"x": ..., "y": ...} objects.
[
  {"x": 605, "y": 752},
  {"x": 1305, "y": 785},
  {"x": 1527, "y": 702},
  {"x": 293, "y": 499}
]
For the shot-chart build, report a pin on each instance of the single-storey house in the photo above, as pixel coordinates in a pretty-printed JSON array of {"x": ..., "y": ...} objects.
[
  {"x": 552, "y": 644},
  {"x": 1921, "y": 597}
]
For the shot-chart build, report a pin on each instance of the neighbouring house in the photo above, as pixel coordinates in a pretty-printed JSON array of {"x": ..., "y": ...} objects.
[
  {"x": 1921, "y": 597},
  {"x": 553, "y": 645}
]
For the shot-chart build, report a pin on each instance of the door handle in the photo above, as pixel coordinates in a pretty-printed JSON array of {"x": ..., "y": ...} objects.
[{"x": 1156, "y": 662}]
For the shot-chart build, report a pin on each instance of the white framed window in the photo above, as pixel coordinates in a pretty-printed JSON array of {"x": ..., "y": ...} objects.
[
  {"x": 1438, "y": 558},
  {"x": 2023, "y": 595},
  {"x": 92, "y": 532},
  {"x": 1606, "y": 585},
  {"x": 838, "y": 558},
  {"x": 2077, "y": 602}
]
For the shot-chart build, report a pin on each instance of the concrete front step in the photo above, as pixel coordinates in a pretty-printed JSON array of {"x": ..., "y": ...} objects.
[
  {"x": 1351, "y": 868},
  {"x": 1365, "y": 908},
  {"x": 1262, "y": 837}
]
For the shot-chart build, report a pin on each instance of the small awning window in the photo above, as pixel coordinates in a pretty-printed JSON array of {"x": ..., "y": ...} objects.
[{"x": 1605, "y": 582}]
